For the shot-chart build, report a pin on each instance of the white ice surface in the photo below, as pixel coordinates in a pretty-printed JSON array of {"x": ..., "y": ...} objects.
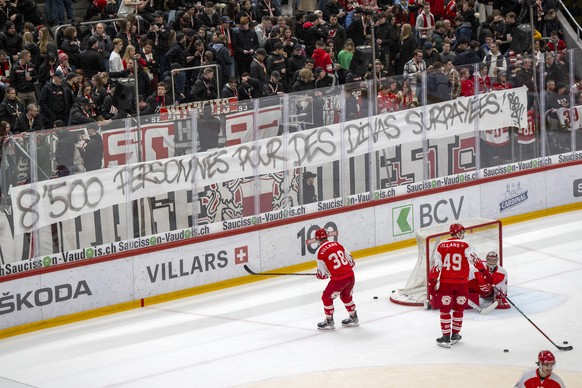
[{"x": 263, "y": 333}]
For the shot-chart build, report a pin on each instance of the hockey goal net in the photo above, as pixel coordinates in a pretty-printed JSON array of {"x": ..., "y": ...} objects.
[{"x": 483, "y": 234}]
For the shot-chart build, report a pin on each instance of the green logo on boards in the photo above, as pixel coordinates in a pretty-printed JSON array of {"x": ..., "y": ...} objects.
[
  {"x": 187, "y": 233},
  {"x": 153, "y": 241},
  {"x": 47, "y": 261},
  {"x": 89, "y": 253},
  {"x": 402, "y": 220}
]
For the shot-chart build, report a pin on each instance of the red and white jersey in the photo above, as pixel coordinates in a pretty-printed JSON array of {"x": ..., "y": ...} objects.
[
  {"x": 527, "y": 135},
  {"x": 453, "y": 257},
  {"x": 531, "y": 379},
  {"x": 496, "y": 137},
  {"x": 334, "y": 260},
  {"x": 497, "y": 278}
]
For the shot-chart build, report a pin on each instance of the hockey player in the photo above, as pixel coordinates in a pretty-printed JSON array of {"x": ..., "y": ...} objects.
[
  {"x": 452, "y": 261},
  {"x": 490, "y": 282},
  {"x": 335, "y": 262},
  {"x": 541, "y": 376}
]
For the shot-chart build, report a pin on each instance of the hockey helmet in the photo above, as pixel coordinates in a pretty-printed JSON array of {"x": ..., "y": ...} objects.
[
  {"x": 321, "y": 234},
  {"x": 456, "y": 229},
  {"x": 492, "y": 260},
  {"x": 546, "y": 357}
]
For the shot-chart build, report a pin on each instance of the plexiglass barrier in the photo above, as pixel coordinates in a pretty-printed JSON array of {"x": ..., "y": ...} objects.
[{"x": 90, "y": 190}]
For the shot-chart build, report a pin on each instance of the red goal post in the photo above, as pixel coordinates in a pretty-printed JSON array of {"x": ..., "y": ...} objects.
[{"x": 483, "y": 234}]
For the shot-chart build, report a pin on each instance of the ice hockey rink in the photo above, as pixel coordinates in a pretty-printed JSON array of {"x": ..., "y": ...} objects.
[{"x": 263, "y": 334}]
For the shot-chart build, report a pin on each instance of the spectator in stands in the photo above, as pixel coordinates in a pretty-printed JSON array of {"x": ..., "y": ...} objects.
[
  {"x": 464, "y": 30},
  {"x": 407, "y": 97},
  {"x": 209, "y": 128},
  {"x": 439, "y": 36},
  {"x": 64, "y": 65},
  {"x": 304, "y": 82},
  {"x": 425, "y": 24},
  {"x": 92, "y": 150},
  {"x": 30, "y": 121},
  {"x": 438, "y": 85},
  {"x": 8, "y": 12},
  {"x": 209, "y": 17},
  {"x": 11, "y": 107},
  {"x": 467, "y": 84},
  {"x": 558, "y": 137},
  {"x": 22, "y": 77},
  {"x": 160, "y": 99},
  {"x": 308, "y": 192},
  {"x": 104, "y": 43},
  {"x": 53, "y": 102},
  {"x": 258, "y": 70},
  {"x": 80, "y": 112},
  {"x": 447, "y": 53},
  {"x": 359, "y": 27},
  {"x": 127, "y": 7},
  {"x": 223, "y": 58},
  {"x": 159, "y": 33},
  {"x": 337, "y": 33},
  {"x": 246, "y": 42},
  {"x": 495, "y": 61},
  {"x": 483, "y": 78},
  {"x": 230, "y": 89},
  {"x": 46, "y": 44},
  {"x": 323, "y": 79},
  {"x": 47, "y": 69},
  {"x": 266, "y": 8},
  {"x": 344, "y": 58},
  {"x": 205, "y": 86},
  {"x": 413, "y": 70},
  {"x": 11, "y": 41},
  {"x": 407, "y": 48},
  {"x": 72, "y": 46},
  {"x": 28, "y": 44},
  {"x": 249, "y": 88},
  {"x": 91, "y": 61},
  {"x": 468, "y": 14},
  {"x": 321, "y": 58},
  {"x": 115, "y": 62},
  {"x": 554, "y": 70},
  {"x": 467, "y": 54},
  {"x": 454, "y": 78},
  {"x": 430, "y": 55}
]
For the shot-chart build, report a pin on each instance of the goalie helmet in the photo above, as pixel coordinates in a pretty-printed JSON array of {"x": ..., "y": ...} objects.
[
  {"x": 492, "y": 260},
  {"x": 546, "y": 357},
  {"x": 321, "y": 234},
  {"x": 457, "y": 229}
]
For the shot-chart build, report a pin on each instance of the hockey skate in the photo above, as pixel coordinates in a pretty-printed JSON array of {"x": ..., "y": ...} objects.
[
  {"x": 444, "y": 341},
  {"x": 455, "y": 338},
  {"x": 351, "y": 321},
  {"x": 327, "y": 324}
]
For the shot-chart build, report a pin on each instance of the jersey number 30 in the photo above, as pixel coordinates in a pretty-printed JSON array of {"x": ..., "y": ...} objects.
[
  {"x": 453, "y": 262},
  {"x": 338, "y": 259}
]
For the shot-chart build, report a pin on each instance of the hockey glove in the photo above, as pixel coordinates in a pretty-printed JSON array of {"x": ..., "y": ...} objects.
[
  {"x": 320, "y": 276},
  {"x": 479, "y": 266}
]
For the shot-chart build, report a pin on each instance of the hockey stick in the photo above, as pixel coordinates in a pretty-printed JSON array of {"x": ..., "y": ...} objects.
[
  {"x": 246, "y": 267},
  {"x": 480, "y": 310},
  {"x": 569, "y": 347}
]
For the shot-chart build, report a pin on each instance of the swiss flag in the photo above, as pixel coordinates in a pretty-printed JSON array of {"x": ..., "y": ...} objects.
[{"x": 241, "y": 255}]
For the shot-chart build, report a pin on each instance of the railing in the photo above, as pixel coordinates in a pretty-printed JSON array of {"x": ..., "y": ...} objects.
[
  {"x": 572, "y": 20},
  {"x": 216, "y": 77},
  {"x": 61, "y": 26}
]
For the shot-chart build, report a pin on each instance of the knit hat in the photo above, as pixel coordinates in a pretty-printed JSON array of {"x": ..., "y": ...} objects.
[{"x": 63, "y": 57}]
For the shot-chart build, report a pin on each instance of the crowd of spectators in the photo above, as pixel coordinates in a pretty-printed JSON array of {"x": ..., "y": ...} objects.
[{"x": 85, "y": 73}]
